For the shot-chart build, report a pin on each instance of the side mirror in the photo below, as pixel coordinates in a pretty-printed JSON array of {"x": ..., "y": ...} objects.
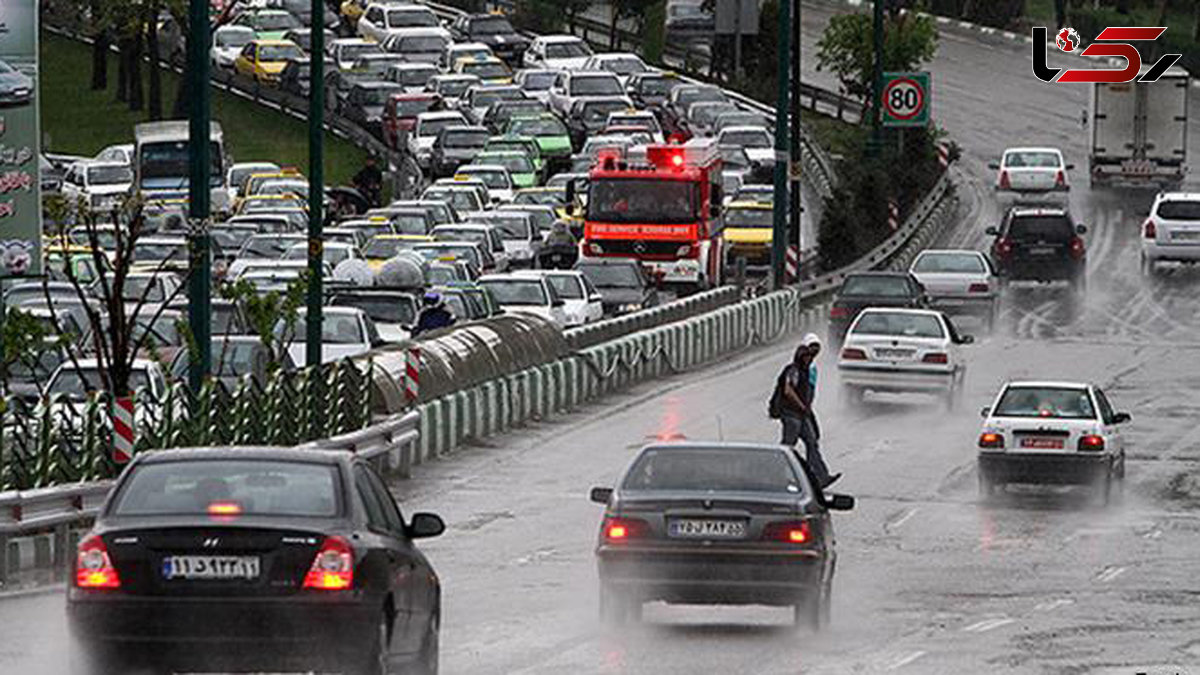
[
  {"x": 993, "y": 165},
  {"x": 425, "y": 525},
  {"x": 994, "y": 231},
  {"x": 1081, "y": 229},
  {"x": 985, "y": 411},
  {"x": 1121, "y": 418},
  {"x": 966, "y": 339},
  {"x": 601, "y": 495},
  {"x": 836, "y": 502},
  {"x": 1069, "y": 167},
  {"x": 559, "y": 303}
]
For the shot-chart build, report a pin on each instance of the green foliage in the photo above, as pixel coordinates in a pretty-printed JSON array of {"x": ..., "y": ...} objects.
[
  {"x": 26, "y": 339},
  {"x": 847, "y": 48},
  {"x": 264, "y": 311},
  {"x": 539, "y": 16},
  {"x": 654, "y": 31}
]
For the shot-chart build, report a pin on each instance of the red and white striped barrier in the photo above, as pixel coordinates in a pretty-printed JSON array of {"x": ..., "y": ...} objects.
[
  {"x": 943, "y": 153},
  {"x": 412, "y": 374},
  {"x": 124, "y": 430},
  {"x": 791, "y": 263},
  {"x": 893, "y": 215}
]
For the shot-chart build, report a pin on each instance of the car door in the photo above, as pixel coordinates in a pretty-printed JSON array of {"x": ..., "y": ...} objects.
[
  {"x": 1111, "y": 430},
  {"x": 595, "y": 306},
  {"x": 370, "y": 24}
]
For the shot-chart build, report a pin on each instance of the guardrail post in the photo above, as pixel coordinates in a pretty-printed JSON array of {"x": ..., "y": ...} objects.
[{"x": 4, "y": 558}]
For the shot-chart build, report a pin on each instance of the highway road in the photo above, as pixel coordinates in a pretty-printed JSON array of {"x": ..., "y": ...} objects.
[{"x": 930, "y": 579}]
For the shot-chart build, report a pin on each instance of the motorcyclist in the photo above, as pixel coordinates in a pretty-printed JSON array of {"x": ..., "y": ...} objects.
[
  {"x": 560, "y": 249},
  {"x": 434, "y": 314}
]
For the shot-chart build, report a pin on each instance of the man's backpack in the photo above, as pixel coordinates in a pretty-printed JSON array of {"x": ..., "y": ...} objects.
[{"x": 775, "y": 405}]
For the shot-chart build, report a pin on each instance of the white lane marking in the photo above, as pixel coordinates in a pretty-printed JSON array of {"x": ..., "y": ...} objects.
[
  {"x": 1053, "y": 605},
  {"x": 902, "y": 519},
  {"x": 1110, "y": 574},
  {"x": 905, "y": 660},
  {"x": 1153, "y": 534},
  {"x": 988, "y": 624}
]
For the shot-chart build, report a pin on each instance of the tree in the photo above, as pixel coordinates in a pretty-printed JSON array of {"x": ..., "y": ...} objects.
[
  {"x": 27, "y": 343},
  {"x": 654, "y": 32},
  {"x": 156, "y": 92},
  {"x": 847, "y": 48},
  {"x": 100, "y": 43},
  {"x": 266, "y": 311}
]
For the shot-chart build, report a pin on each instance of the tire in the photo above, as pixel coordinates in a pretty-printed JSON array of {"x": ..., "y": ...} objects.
[
  {"x": 987, "y": 487},
  {"x": 428, "y": 658},
  {"x": 1106, "y": 486}
]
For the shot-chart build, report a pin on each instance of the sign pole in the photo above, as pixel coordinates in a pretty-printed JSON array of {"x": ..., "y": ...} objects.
[
  {"x": 779, "y": 231},
  {"x": 794, "y": 206},
  {"x": 316, "y": 189},
  {"x": 877, "y": 79},
  {"x": 199, "y": 195}
]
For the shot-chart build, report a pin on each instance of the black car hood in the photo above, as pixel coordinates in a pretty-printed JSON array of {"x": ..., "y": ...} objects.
[{"x": 621, "y": 295}]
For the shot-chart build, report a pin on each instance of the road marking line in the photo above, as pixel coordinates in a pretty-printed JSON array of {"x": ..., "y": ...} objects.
[
  {"x": 904, "y": 661},
  {"x": 1109, "y": 574},
  {"x": 1153, "y": 534},
  {"x": 901, "y": 520},
  {"x": 988, "y": 624},
  {"x": 1053, "y": 605}
]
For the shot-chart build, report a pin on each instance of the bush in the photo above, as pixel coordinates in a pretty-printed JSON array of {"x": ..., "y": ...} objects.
[{"x": 538, "y": 16}]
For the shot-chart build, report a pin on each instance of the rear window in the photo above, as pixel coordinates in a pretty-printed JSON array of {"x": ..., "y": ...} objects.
[
  {"x": 734, "y": 470},
  {"x": 888, "y": 287},
  {"x": 949, "y": 263},
  {"x": 256, "y": 487},
  {"x": 1042, "y": 160},
  {"x": 1178, "y": 210},
  {"x": 898, "y": 324},
  {"x": 1066, "y": 403},
  {"x": 1045, "y": 228}
]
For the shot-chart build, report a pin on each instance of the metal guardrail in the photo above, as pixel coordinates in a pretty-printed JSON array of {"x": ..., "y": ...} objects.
[
  {"x": 609, "y": 329},
  {"x": 391, "y": 445}
]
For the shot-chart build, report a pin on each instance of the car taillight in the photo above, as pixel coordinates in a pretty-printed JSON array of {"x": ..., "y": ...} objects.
[
  {"x": 935, "y": 357},
  {"x": 1003, "y": 248},
  {"x": 977, "y": 288},
  {"x": 1060, "y": 179},
  {"x": 1004, "y": 184},
  {"x": 794, "y": 532},
  {"x": 93, "y": 567},
  {"x": 622, "y": 529},
  {"x": 853, "y": 354},
  {"x": 1149, "y": 229},
  {"x": 991, "y": 440},
  {"x": 333, "y": 567},
  {"x": 836, "y": 312},
  {"x": 1076, "y": 247},
  {"x": 1091, "y": 443}
]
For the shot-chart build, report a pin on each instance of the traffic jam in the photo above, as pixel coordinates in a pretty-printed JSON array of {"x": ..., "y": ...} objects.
[{"x": 1002, "y": 389}]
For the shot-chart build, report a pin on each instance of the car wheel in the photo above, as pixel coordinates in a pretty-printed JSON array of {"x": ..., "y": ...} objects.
[
  {"x": 427, "y": 659},
  {"x": 1107, "y": 486},
  {"x": 1148, "y": 267},
  {"x": 95, "y": 660},
  {"x": 373, "y": 656},
  {"x": 987, "y": 487}
]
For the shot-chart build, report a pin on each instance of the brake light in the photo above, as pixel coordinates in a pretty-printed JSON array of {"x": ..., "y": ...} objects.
[
  {"x": 1004, "y": 184},
  {"x": 1003, "y": 248},
  {"x": 621, "y": 529},
  {"x": 224, "y": 509},
  {"x": 797, "y": 532},
  {"x": 1076, "y": 247},
  {"x": 977, "y": 288},
  {"x": 991, "y": 440},
  {"x": 1060, "y": 179},
  {"x": 333, "y": 567},
  {"x": 1149, "y": 229},
  {"x": 1091, "y": 442},
  {"x": 853, "y": 354},
  {"x": 935, "y": 357},
  {"x": 93, "y": 567},
  {"x": 836, "y": 312}
]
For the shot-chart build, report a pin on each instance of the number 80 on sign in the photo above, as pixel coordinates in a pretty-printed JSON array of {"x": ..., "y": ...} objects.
[{"x": 905, "y": 99}]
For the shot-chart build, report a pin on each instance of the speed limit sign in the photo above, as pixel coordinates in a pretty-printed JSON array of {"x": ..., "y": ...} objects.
[{"x": 905, "y": 99}]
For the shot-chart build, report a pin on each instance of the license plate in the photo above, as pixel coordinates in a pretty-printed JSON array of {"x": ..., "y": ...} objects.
[
  {"x": 1137, "y": 166},
  {"x": 210, "y": 567},
  {"x": 1042, "y": 443},
  {"x": 886, "y": 353},
  {"x": 1185, "y": 236},
  {"x": 707, "y": 529},
  {"x": 1041, "y": 250},
  {"x": 951, "y": 302}
]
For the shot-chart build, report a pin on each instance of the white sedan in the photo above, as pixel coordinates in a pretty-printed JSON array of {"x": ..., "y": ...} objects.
[
  {"x": 526, "y": 295},
  {"x": 1058, "y": 433},
  {"x": 345, "y": 332},
  {"x": 958, "y": 282},
  {"x": 581, "y": 300},
  {"x": 1029, "y": 172},
  {"x": 902, "y": 351}
]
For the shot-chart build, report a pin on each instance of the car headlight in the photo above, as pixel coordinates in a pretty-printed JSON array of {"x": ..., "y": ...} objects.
[
  {"x": 23, "y": 91},
  {"x": 628, "y": 307}
]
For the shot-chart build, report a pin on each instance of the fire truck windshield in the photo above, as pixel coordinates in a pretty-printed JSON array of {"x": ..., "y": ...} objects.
[{"x": 632, "y": 200}]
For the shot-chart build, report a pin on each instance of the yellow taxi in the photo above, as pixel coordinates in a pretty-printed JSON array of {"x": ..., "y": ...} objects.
[
  {"x": 352, "y": 11},
  {"x": 271, "y": 203},
  {"x": 263, "y": 60},
  {"x": 382, "y": 247},
  {"x": 748, "y": 229},
  {"x": 59, "y": 252},
  {"x": 489, "y": 69}
]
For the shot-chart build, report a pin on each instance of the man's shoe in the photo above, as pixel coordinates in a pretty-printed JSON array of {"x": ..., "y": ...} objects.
[{"x": 831, "y": 480}]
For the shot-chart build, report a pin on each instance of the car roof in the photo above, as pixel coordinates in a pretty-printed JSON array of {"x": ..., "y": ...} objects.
[
  {"x": 741, "y": 128},
  {"x": 956, "y": 251},
  {"x": 1037, "y": 211},
  {"x": 1049, "y": 384},
  {"x": 877, "y": 273},
  {"x": 441, "y": 115},
  {"x": 1033, "y": 149},
  {"x": 1177, "y": 196},
  {"x": 512, "y": 276},
  {"x": 559, "y": 38},
  {"x": 901, "y": 310},
  {"x": 138, "y": 364},
  {"x": 245, "y": 452},
  {"x": 714, "y": 445}
]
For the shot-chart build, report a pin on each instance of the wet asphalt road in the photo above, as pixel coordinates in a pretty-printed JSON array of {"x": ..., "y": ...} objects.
[{"x": 930, "y": 578}]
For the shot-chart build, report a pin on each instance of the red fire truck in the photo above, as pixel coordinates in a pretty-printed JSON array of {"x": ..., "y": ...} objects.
[{"x": 659, "y": 204}]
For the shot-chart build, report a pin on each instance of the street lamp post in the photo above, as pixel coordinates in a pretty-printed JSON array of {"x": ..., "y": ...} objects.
[
  {"x": 316, "y": 185},
  {"x": 199, "y": 195},
  {"x": 779, "y": 231}
]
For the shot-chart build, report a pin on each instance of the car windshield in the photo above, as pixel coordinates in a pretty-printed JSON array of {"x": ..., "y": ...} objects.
[
  {"x": 233, "y": 38},
  {"x": 496, "y": 180},
  {"x": 514, "y": 163},
  {"x": 279, "y": 52},
  {"x": 387, "y": 247},
  {"x": 516, "y": 291},
  {"x": 1061, "y": 402},
  {"x": 465, "y": 139},
  {"x": 537, "y": 127},
  {"x": 105, "y": 239},
  {"x": 415, "y": 77},
  {"x": 514, "y": 228},
  {"x": 634, "y": 200},
  {"x": 612, "y": 276},
  {"x": 109, "y": 175},
  {"x": 491, "y": 25},
  {"x": 657, "y": 86},
  {"x": 457, "y": 252},
  {"x": 746, "y": 139},
  {"x": 888, "y": 287},
  {"x": 271, "y": 246},
  {"x": 462, "y": 234},
  {"x": 330, "y": 254},
  {"x": 624, "y": 66},
  {"x": 373, "y": 66},
  {"x": 898, "y": 324},
  {"x": 336, "y": 329},
  {"x": 411, "y": 18},
  {"x": 151, "y": 252},
  {"x": 712, "y": 470},
  {"x": 567, "y": 287},
  {"x": 231, "y": 238},
  {"x": 1178, "y": 209},
  {"x": 567, "y": 50},
  {"x": 688, "y": 96},
  {"x": 421, "y": 43},
  {"x": 596, "y": 112},
  {"x": 275, "y": 21},
  {"x": 454, "y": 88},
  {"x": 76, "y": 383},
  {"x": 398, "y": 309},
  {"x": 486, "y": 69},
  {"x": 735, "y": 217},
  {"x": 950, "y": 263},
  {"x": 432, "y": 127},
  {"x": 239, "y": 174},
  {"x": 136, "y": 286},
  {"x": 595, "y": 86},
  {"x": 163, "y": 331},
  {"x": 1029, "y": 159},
  {"x": 541, "y": 197},
  {"x": 1041, "y": 228},
  {"x": 247, "y": 487},
  {"x": 539, "y": 81},
  {"x": 377, "y": 96},
  {"x": 410, "y": 223}
]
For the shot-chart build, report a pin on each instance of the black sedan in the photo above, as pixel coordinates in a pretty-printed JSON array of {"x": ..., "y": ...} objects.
[
  {"x": 16, "y": 88},
  {"x": 717, "y": 523},
  {"x": 872, "y": 289},
  {"x": 255, "y": 558}
]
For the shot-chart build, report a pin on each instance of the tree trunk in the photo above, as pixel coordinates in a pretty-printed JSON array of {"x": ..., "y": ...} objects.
[
  {"x": 123, "y": 69},
  {"x": 137, "y": 94},
  {"x": 612, "y": 26},
  {"x": 100, "y": 61},
  {"x": 156, "y": 95}
]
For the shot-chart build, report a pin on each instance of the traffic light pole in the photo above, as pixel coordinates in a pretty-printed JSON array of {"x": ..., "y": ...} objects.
[
  {"x": 794, "y": 205},
  {"x": 316, "y": 187},
  {"x": 779, "y": 232},
  {"x": 199, "y": 195}
]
